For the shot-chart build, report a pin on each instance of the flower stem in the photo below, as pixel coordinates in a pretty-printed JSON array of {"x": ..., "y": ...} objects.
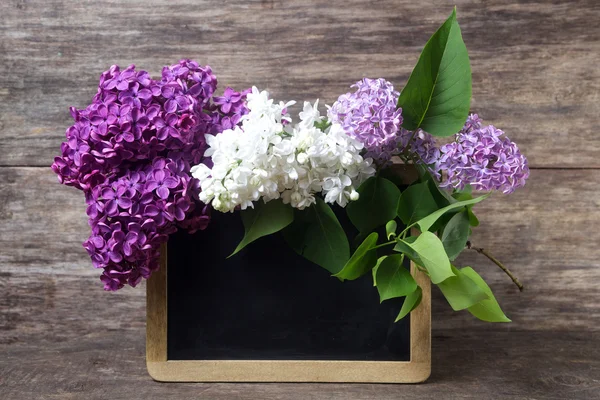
[
  {"x": 384, "y": 244},
  {"x": 498, "y": 263}
]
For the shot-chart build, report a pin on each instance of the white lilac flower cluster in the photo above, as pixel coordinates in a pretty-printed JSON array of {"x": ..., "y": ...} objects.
[{"x": 268, "y": 157}]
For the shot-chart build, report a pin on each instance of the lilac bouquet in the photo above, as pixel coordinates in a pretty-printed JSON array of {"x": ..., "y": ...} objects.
[{"x": 153, "y": 156}]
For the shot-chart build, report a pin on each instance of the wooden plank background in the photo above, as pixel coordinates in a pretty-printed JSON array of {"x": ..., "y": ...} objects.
[{"x": 535, "y": 74}]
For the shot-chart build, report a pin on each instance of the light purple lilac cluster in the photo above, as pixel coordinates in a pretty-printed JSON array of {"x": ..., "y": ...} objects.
[
  {"x": 482, "y": 157},
  {"x": 370, "y": 115},
  {"x": 478, "y": 156},
  {"x": 130, "y": 151}
]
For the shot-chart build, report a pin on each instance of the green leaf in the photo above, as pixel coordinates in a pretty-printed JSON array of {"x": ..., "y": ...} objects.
[
  {"x": 463, "y": 194},
  {"x": 316, "y": 234},
  {"x": 437, "y": 96},
  {"x": 416, "y": 202},
  {"x": 461, "y": 291},
  {"x": 376, "y": 205},
  {"x": 455, "y": 234},
  {"x": 466, "y": 194},
  {"x": 423, "y": 172},
  {"x": 441, "y": 196},
  {"x": 264, "y": 219},
  {"x": 375, "y": 268},
  {"x": 403, "y": 246},
  {"x": 390, "y": 229},
  {"x": 393, "y": 279},
  {"x": 443, "y": 199},
  {"x": 361, "y": 261},
  {"x": 426, "y": 223},
  {"x": 431, "y": 255},
  {"x": 473, "y": 220},
  {"x": 486, "y": 310},
  {"x": 395, "y": 176},
  {"x": 410, "y": 303}
]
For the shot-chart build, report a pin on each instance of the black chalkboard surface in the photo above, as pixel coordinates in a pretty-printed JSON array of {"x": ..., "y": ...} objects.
[
  {"x": 268, "y": 303},
  {"x": 268, "y": 315}
]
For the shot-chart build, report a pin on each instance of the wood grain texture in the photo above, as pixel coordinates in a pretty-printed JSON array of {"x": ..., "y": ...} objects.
[
  {"x": 534, "y": 63},
  {"x": 534, "y": 74},
  {"x": 53, "y": 311},
  {"x": 506, "y": 365}
]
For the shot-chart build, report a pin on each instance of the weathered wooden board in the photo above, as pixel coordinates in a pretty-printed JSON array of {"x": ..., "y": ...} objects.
[
  {"x": 535, "y": 75},
  {"x": 53, "y": 311},
  {"x": 107, "y": 363},
  {"x": 546, "y": 233},
  {"x": 534, "y": 62}
]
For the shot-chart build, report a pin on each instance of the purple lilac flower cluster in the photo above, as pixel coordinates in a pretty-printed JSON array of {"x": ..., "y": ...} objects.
[
  {"x": 479, "y": 156},
  {"x": 422, "y": 144},
  {"x": 130, "y": 151},
  {"x": 132, "y": 215},
  {"x": 371, "y": 115}
]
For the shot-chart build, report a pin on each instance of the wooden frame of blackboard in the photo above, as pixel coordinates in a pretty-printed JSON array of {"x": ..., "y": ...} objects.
[{"x": 161, "y": 368}]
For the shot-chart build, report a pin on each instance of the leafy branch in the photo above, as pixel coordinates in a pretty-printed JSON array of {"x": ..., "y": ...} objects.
[
  {"x": 436, "y": 99},
  {"x": 498, "y": 263}
]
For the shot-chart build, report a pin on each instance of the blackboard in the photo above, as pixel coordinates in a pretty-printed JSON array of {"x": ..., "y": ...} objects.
[
  {"x": 267, "y": 302},
  {"x": 267, "y": 314}
]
